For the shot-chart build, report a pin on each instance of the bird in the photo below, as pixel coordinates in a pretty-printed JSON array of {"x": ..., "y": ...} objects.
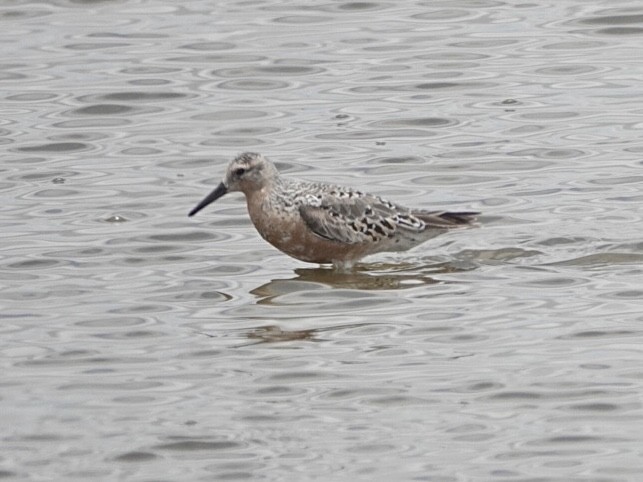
[{"x": 325, "y": 223}]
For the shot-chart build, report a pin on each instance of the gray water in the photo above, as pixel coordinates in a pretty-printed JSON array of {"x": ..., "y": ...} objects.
[{"x": 139, "y": 344}]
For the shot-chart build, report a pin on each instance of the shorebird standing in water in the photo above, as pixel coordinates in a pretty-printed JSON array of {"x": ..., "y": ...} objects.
[{"x": 324, "y": 223}]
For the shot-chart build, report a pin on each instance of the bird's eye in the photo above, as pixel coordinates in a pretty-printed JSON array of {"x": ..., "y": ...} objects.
[{"x": 240, "y": 171}]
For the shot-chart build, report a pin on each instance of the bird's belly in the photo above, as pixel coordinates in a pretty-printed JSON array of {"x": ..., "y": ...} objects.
[{"x": 288, "y": 232}]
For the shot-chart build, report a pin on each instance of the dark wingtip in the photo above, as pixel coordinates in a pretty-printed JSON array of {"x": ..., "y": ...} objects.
[
  {"x": 446, "y": 219},
  {"x": 467, "y": 217}
]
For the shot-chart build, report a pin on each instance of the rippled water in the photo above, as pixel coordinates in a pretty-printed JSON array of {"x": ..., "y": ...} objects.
[{"x": 138, "y": 344}]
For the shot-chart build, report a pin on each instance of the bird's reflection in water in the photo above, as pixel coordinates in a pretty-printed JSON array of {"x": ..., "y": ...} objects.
[
  {"x": 297, "y": 290},
  {"x": 367, "y": 277},
  {"x": 275, "y": 334}
]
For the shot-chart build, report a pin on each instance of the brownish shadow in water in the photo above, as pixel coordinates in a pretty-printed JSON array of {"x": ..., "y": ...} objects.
[
  {"x": 364, "y": 277},
  {"x": 275, "y": 334}
]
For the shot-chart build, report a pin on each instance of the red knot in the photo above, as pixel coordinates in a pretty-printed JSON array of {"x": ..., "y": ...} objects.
[{"x": 325, "y": 223}]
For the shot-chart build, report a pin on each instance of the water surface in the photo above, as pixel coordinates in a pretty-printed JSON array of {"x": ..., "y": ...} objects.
[{"x": 138, "y": 344}]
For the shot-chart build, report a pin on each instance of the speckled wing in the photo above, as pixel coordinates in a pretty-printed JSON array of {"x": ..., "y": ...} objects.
[{"x": 353, "y": 217}]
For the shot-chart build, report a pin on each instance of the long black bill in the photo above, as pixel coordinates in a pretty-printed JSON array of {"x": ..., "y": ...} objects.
[{"x": 220, "y": 190}]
